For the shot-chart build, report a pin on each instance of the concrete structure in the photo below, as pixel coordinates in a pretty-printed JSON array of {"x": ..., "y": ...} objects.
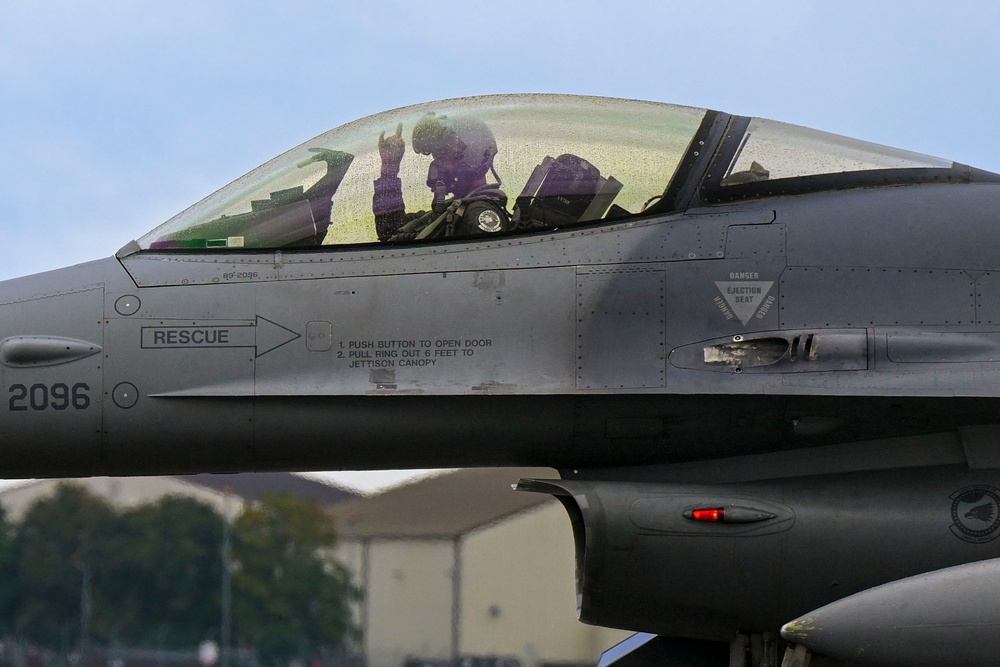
[{"x": 459, "y": 565}]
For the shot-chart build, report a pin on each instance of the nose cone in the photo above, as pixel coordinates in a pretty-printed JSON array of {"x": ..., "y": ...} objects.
[{"x": 946, "y": 617}]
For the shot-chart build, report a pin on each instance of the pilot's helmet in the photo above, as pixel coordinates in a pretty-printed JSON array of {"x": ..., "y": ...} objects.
[{"x": 463, "y": 139}]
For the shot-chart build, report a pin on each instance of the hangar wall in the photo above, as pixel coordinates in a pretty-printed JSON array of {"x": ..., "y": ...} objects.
[
  {"x": 518, "y": 595},
  {"x": 461, "y": 565}
]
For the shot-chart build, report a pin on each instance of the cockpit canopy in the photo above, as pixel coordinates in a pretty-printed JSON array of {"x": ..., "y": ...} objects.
[
  {"x": 619, "y": 153},
  {"x": 548, "y": 161}
]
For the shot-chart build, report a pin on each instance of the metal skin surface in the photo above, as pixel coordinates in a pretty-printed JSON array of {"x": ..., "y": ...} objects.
[
  {"x": 828, "y": 359},
  {"x": 942, "y": 617}
]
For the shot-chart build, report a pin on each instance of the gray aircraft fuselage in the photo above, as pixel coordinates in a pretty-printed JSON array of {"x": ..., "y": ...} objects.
[
  {"x": 826, "y": 356},
  {"x": 582, "y": 347}
]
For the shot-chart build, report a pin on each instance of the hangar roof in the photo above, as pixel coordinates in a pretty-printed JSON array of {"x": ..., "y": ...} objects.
[
  {"x": 445, "y": 506},
  {"x": 255, "y": 485}
]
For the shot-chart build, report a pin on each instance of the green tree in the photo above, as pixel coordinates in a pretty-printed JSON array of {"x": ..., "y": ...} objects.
[
  {"x": 168, "y": 573},
  {"x": 64, "y": 543},
  {"x": 151, "y": 575},
  {"x": 289, "y": 595},
  {"x": 10, "y": 581}
]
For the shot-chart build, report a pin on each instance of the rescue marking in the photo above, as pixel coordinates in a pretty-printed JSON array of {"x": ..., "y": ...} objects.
[
  {"x": 407, "y": 353},
  {"x": 262, "y": 334}
]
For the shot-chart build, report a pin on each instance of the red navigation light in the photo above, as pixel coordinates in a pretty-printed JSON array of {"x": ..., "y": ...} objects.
[
  {"x": 712, "y": 514},
  {"x": 729, "y": 514}
]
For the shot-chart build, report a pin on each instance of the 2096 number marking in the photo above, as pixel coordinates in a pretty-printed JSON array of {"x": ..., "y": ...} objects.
[{"x": 58, "y": 396}]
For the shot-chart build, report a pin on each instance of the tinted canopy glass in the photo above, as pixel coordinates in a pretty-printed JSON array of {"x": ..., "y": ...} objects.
[
  {"x": 774, "y": 150},
  {"x": 765, "y": 158},
  {"x": 460, "y": 168}
]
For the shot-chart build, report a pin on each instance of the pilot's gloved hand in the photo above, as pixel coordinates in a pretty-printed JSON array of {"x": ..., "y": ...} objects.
[{"x": 391, "y": 150}]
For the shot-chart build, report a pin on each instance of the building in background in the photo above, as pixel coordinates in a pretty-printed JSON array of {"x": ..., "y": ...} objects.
[
  {"x": 461, "y": 565},
  {"x": 456, "y": 565}
]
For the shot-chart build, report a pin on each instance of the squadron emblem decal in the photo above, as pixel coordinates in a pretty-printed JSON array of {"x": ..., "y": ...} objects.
[
  {"x": 489, "y": 221},
  {"x": 975, "y": 513}
]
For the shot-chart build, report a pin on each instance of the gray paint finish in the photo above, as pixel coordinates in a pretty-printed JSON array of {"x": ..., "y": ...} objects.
[{"x": 819, "y": 358}]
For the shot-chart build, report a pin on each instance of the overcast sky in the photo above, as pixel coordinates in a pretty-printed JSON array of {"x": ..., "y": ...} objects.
[{"x": 116, "y": 115}]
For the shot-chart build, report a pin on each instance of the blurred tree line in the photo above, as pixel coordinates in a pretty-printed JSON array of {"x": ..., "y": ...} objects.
[{"x": 75, "y": 570}]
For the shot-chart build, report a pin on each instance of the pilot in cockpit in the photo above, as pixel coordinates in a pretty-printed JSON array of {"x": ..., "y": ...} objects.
[{"x": 463, "y": 203}]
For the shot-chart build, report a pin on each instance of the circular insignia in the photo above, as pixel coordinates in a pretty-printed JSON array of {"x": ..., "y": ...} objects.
[
  {"x": 125, "y": 395},
  {"x": 975, "y": 513},
  {"x": 489, "y": 221},
  {"x": 127, "y": 305}
]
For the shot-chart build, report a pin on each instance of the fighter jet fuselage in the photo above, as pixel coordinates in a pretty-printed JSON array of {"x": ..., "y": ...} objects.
[
  {"x": 683, "y": 337},
  {"x": 812, "y": 355}
]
